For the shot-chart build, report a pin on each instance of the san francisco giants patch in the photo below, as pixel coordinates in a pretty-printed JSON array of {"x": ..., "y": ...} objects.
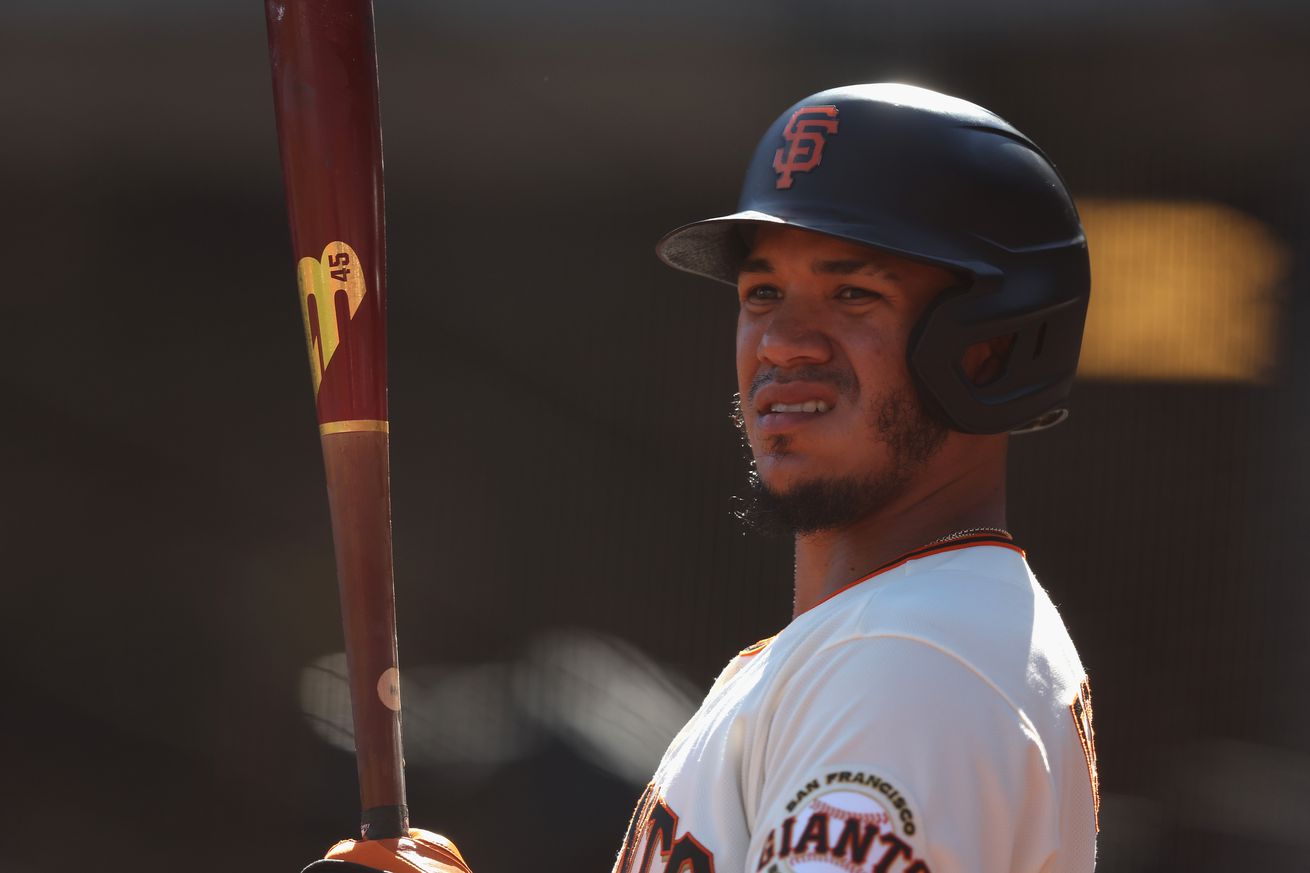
[{"x": 846, "y": 819}]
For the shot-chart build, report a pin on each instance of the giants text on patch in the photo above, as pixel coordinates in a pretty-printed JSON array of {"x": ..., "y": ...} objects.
[{"x": 844, "y": 821}]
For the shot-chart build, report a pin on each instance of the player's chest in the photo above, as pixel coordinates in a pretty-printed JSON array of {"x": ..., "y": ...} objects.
[{"x": 695, "y": 815}]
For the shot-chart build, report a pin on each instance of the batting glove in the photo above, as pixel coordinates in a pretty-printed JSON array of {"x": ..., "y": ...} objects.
[{"x": 420, "y": 852}]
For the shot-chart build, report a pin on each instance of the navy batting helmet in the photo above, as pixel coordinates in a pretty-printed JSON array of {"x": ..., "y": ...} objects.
[{"x": 943, "y": 181}]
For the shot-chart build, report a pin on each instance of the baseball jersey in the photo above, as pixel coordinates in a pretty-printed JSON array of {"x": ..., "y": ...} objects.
[{"x": 932, "y": 717}]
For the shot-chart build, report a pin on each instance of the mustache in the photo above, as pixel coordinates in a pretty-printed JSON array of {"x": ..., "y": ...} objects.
[{"x": 842, "y": 380}]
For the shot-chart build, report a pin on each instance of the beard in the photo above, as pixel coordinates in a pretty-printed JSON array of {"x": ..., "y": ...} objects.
[{"x": 900, "y": 420}]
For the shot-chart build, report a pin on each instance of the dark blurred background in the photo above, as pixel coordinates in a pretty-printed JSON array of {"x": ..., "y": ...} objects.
[{"x": 569, "y": 575}]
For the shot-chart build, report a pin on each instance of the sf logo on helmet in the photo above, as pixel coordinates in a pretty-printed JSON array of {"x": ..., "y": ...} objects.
[{"x": 805, "y": 138}]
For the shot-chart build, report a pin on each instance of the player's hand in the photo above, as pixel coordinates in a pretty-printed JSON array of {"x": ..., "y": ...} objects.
[{"x": 420, "y": 852}]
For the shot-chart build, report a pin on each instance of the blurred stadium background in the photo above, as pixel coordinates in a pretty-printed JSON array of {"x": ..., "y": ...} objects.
[{"x": 569, "y": 576}]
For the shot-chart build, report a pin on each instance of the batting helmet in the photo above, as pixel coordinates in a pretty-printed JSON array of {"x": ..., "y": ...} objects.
[{"x": 939, "y": 180}]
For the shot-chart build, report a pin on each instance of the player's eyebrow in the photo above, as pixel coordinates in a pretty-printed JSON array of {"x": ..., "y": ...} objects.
[
  {"x": 850, "y": 266},
  {"x": 837, "y": 267}
]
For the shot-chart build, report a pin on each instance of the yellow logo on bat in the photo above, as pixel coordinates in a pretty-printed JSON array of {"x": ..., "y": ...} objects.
[{"x": 322, "y": 280}]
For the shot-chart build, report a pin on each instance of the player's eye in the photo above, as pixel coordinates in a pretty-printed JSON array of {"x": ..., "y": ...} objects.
[
  {"x": 762, "y": 294},
  {"x": 852, "y": 292}
]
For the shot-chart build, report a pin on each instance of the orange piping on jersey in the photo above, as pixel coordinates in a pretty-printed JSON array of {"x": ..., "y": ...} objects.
[
  {"x": 755, "y": 648},
  {"x": 924, "y": 552},
  {"x": 921, "y": 552}
]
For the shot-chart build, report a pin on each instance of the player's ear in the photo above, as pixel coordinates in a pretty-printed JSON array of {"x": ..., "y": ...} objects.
[{"x": 984, "y": 362}]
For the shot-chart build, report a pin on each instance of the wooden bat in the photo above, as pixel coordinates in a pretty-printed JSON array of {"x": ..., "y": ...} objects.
[{"x": 325, "y": 91}]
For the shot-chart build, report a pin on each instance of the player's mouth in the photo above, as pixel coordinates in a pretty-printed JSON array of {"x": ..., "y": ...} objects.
[
  {"x": 787, "y": 407},
  {"x": 807, "y": 406}
]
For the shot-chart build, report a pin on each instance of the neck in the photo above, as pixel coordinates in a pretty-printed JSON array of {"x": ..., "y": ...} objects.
[{"x": 959, "y": 496}]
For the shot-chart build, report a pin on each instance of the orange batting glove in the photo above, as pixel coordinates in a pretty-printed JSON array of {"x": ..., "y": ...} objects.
[{"x": 420, "y": 852}]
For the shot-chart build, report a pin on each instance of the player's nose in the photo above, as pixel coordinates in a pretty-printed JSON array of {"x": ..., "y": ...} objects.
[{"x": 791, "y": 338}]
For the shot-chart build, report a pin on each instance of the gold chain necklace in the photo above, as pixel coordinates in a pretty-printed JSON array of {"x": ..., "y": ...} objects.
[{"x": 968, "y": 532}]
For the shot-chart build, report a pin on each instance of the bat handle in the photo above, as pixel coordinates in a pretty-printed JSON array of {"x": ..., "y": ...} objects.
[
  {"x": 359, "y": 494},
  {"x": 384, "y": 822}
]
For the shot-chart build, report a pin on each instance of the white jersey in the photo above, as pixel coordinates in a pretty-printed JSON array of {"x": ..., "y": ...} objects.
[{"x": 930, "y": 718}]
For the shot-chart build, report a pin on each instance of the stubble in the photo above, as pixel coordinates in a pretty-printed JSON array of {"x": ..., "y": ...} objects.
[{"x": 899, "y": 421}]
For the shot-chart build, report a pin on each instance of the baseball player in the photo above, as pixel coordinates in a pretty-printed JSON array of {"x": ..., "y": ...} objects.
[{"x": 912, "y": 279}]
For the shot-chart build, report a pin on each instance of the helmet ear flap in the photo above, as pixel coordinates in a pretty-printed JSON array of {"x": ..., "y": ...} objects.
[
  {"x": 1030, "y": 387},
  {"x": 1050, "y": 419},
  {"x": 988, "y": 361},
  {"x": 930, "y": 398}
]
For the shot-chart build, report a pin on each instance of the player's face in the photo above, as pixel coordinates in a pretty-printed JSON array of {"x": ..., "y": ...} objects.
[{"x": 826, "y": 393}]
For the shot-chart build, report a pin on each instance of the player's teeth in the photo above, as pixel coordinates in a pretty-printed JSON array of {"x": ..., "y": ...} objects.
[{"x": 807, "y": 406}]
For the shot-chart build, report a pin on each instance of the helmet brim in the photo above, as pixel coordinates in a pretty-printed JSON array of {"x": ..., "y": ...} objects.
[{"x": 715, "y": 247}]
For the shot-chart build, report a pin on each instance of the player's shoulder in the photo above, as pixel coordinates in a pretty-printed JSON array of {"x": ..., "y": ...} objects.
[
  {"x": 981, "y": 606},
  {"x": 927, "y": 591},
  {"x": 951, "y": 677}
]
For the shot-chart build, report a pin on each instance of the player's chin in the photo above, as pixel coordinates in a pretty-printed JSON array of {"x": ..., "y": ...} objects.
[{"x": 783, "y": 472}]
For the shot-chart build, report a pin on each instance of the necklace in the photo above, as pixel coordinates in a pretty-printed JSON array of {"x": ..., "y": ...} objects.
[{"x": 968, "y": 532}]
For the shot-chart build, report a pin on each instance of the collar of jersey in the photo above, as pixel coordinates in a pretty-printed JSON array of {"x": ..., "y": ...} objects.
[{"x": 921, "y": 552}]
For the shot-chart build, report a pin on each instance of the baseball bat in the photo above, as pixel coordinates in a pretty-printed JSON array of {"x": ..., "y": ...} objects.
[{"x": 325, "y": 94}]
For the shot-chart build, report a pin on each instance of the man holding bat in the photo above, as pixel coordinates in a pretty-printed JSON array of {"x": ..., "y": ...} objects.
[{"x": 912, "y": 280}]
